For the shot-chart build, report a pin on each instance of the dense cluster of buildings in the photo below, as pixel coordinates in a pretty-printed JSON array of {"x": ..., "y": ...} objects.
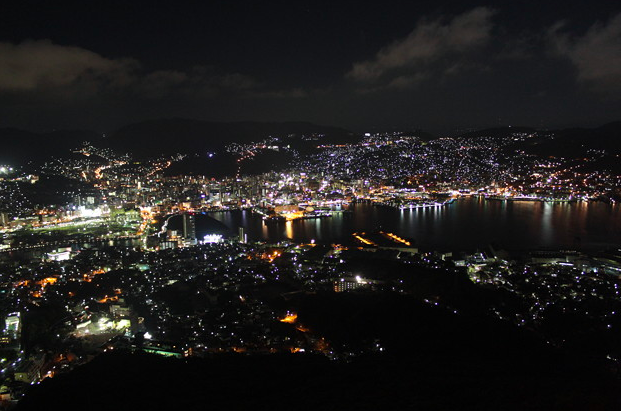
[{"x": 396, "y": 169}]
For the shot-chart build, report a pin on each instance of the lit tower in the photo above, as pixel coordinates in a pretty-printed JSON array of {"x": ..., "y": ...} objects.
[
  {"x": 4, "y": 219},
  {"x": 189, "y": 226}
]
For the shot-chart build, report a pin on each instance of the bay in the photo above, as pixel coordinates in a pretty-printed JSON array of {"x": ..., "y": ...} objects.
[{"x": 468, "y": 223}]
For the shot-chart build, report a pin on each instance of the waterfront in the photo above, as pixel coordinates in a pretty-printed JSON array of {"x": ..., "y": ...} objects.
[{"x": 465, "y": 224}]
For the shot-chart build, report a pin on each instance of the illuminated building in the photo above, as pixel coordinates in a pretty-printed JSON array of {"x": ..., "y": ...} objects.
[
  {"x": 352, "y": 283},
  {"x": 119, "y": 310},
  {"x": 212, "y": 238},
  {"x": 13, "y": 324},
  {"x": 61, "y": 254},
  {"x": 189, "y": 226},
  {"x": 4, "y": 219},
  {"x": 168, "y": 245},
  {"x": 166, "y": 349},
  {"x": 12, "y": 331}
]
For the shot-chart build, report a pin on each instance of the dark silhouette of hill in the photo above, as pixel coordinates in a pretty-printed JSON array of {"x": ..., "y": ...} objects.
[
  {"x": 177, "y": 135},
  {"x": 610, "y": 163},
  {"x": 497, "y": 132},
  {"x": 218, "y": 166},
  {"x": 433, "y": 359},
  {"x": 20, "y": 147},
  {"x": 170, "y": 136},
  {"x": 575, "y": 142},
  {"x": 163, "y": 136},
  {"x": 423, "y": 135},
  {"x": 225, "y": 164}
]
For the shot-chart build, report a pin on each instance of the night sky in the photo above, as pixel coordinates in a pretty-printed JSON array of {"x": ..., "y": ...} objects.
[{"x": 430, "y": 65}]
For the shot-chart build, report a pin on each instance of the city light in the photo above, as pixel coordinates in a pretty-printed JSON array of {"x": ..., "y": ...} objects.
[{"x": 212, "y": 238}]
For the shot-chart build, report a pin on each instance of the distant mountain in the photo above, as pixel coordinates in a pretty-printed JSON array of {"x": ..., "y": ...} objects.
[
  {"x": 170, "y": 136},
  {"x": 497, "y": 132},
  {"x": 164, "y": 136},
  {"x": 20, "y": 147},
  {"x": 423, "y": 135},
  {"x": 177, "y": 135},
  {"x": 573, "y": 142}
]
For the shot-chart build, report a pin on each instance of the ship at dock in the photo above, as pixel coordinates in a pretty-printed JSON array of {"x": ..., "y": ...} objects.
[
  {"x": 296, "y": 212},
  {"x": 414, "y": 203},
  {"x": 532, "y": 198}
]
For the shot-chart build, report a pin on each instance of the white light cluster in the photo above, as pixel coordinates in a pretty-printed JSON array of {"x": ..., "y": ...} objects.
[{"x": 212, "y": 238}]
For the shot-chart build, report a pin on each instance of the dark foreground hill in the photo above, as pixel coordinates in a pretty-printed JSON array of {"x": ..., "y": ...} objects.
[{"x": 433, "y": 360}]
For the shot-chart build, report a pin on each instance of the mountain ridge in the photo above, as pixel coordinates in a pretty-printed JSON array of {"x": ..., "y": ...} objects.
[{"x": 166, "y": 136}]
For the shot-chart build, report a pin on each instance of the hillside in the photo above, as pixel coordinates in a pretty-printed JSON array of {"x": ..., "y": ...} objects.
[
  {"x": 497, "y": 132},
  {"x": 575, "y": 142},
  {"x": 432, "y": 360},
  {"x": 168, "y": 136},
  {"x": 20, "y": 147}
]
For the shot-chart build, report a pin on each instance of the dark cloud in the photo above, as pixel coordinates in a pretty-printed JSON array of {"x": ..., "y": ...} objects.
[
  {"x": 43, "y": 67},
  {"x": 435, "y": 65},
  {"x": 196, "y": 82},
  {"x": 294, "y": 93},
  {"x": 73, "y": 86},
  {"x": 596, "y": 54},
  {"x": 407, "y": 61},
  {"x": 37, "y": 65},
  {"x": 526, "y": 45}
]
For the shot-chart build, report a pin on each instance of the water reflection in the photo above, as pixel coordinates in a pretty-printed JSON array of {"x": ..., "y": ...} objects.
[
  {"x": 547, "y": 228},
  {"x": 466, "y": 224},
  {"x": 289, "y": 229}
]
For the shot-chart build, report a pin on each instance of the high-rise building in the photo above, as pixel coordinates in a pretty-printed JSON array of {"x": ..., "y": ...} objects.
[
  {"x": 4, "y": 219},
  {"x": 12, "y": 323},
  {"x": 189, "y": 226},
  {"x": 11, "y": 335},
  {"x": 352, "y": 283},
  {"x": 243, "y": 237}
]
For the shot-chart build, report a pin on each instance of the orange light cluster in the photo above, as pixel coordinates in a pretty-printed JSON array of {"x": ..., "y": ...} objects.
[
  {"x": 398, "y": 239},
  {"x": 363, "y": 240},
  {"x": 269, "y": 256},
  {"x": 47, "y": 281},
  {"x": 290, "y": 318},
  {"x": 88, "y": 277},
  {"x": 106, "y": 299},
  {"x": 294, "y": 216}
]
